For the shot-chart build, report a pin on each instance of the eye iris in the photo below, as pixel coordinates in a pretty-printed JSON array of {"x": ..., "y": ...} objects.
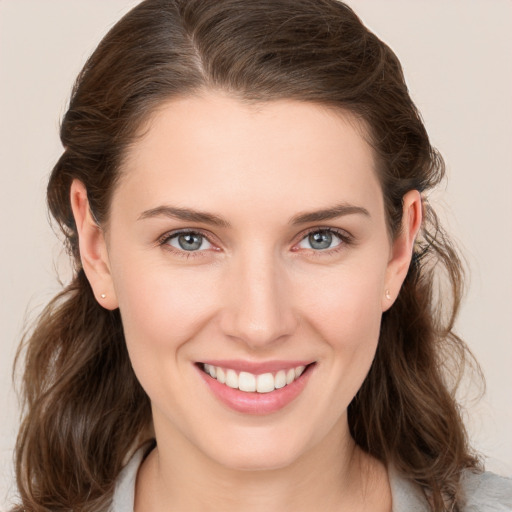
[
  {"x": 190, "y": 241},
  {"x": 320, "y": 240}
]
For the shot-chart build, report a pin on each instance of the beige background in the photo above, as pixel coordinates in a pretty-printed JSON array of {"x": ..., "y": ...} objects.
[{"x": 457, "y": 57}]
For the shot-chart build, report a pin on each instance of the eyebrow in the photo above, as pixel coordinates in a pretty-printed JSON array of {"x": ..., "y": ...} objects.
[
  {"x": 189, "y": 215},
  {"x": 185, "y": 214},
  {"x": 329, "y": 213}
]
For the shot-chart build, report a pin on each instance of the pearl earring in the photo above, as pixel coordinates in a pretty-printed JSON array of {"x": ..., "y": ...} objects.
[
  {"x": 103, "y": 295},
  {"x": 388, "y": 295}
]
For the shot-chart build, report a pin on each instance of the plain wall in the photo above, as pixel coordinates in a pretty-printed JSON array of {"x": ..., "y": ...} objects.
[{"x": 457, "y": 58}]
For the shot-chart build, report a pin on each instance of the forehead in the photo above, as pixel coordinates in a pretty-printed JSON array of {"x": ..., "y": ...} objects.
[{"x": 215, "y": 148}]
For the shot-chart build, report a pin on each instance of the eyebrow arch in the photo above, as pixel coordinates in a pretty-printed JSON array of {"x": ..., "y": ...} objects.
[
  {"x": 329, "y": 213},
  {"x": 185, "y": 214}
]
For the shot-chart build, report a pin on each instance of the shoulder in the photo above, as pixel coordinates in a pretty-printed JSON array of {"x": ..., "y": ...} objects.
[
  {"x": 481, "y": 492},
  {"x": 124, "y": 493},
  {"x": 486, "y": 492}
]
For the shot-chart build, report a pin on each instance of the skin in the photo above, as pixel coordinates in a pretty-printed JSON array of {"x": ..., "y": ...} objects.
[{"x": 256, "y": 290}]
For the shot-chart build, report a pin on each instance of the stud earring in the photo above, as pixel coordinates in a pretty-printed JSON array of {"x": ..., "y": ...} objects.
[
  {"x": 388, "y": 295},
  {"x": 103, "y": 295}
]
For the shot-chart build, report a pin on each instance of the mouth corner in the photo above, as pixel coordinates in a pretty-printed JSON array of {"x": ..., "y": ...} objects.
[{"x": 201, "y": 366}]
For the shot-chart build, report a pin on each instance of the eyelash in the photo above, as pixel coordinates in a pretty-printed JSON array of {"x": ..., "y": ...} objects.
[
  {"x": 345, "y": 240},
  {"x": 162, "y": 242}
]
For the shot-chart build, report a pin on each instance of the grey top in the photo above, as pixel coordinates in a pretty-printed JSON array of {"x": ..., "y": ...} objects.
[{"x": 485, "y": 492}]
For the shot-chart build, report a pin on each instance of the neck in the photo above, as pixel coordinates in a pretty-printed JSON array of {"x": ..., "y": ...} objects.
[{"x": 334, "y": 475}]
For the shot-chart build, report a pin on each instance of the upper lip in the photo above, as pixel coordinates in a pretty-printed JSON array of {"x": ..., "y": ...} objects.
[{"x": 257, "y": 367}]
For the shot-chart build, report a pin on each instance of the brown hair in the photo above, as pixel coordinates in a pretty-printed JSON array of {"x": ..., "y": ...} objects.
[{"x": 85, "y": 410}]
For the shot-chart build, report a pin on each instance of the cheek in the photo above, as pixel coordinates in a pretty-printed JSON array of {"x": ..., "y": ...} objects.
[
  {"x": 346, "y": 304},
  {"x": 161, "y": 309},
  {"x": 346, "y": 312}
]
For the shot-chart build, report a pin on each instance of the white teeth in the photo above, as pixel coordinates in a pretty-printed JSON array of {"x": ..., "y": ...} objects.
[
  {"x": 265, "y": 383},
  {"x": 280, "y": 380},
  {"x": 232, "y": 379},
  {"x": 212, "y": 370},
  {"x": 221, "y": 375},
  {"x": 250, "y": 383},
  {"x": 246, "y": 382}
]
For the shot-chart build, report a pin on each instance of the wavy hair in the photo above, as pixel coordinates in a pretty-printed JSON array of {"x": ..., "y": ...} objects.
[{"x": 85, "y": 411}]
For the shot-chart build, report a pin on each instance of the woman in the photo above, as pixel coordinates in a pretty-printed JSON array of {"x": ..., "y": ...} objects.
[{"x": 241, "y": 190}]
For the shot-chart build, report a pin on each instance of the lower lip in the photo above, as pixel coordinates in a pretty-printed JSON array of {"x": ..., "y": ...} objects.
[{"x": 257, "y": 403}]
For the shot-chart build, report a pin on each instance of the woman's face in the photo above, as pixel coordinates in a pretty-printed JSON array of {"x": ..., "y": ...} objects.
[{"x": 251, "y": 238}]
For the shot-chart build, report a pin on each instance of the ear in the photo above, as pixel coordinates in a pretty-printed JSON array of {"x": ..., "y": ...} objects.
[
  {"x": 402, "y": 247},
  {"x": 93, "y": 248}
]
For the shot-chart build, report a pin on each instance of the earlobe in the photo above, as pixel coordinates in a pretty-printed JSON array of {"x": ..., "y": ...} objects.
[
  {"x": 403, "y": 246},
  {"x": 93, "y": 248}
]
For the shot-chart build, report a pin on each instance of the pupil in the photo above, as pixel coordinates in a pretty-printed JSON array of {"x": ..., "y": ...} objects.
[
  {"x": 320, "y": 240},
  {"x": 190, "y": 241}
]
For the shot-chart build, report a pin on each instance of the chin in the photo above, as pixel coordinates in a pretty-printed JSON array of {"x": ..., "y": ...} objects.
[{"x": 258, "y": 455}]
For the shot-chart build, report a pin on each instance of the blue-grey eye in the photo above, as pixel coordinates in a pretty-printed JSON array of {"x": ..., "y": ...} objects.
[
  {"x": 320, "y": 240},
  {"x": 189, "y": 241}
]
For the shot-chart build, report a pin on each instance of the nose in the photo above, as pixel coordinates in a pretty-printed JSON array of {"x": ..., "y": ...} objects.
[{"x": 258, "y": 304}]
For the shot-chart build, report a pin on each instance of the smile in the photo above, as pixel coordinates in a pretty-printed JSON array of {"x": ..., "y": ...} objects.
[
  {"x": 256, "y": 388},
  {"x": 251, "y": 383}
]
